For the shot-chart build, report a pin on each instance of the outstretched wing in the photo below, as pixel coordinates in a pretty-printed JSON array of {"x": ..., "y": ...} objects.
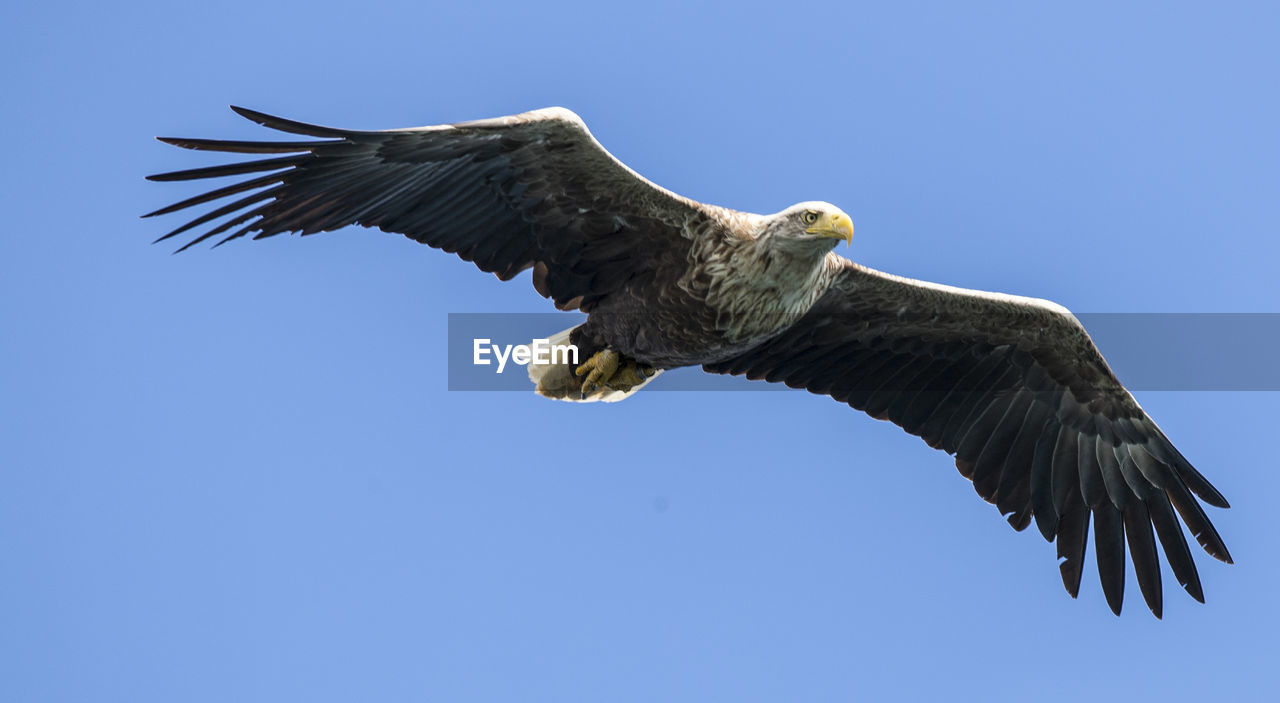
[
  {"x": 1016, "y": 390},
  {"x": 529, "y": 190}
]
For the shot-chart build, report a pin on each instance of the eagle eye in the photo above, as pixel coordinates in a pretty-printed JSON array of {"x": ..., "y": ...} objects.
[{"x": 809, "y": 217}]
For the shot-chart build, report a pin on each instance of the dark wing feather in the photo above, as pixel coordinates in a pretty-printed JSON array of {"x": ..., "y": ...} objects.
[
  {"x": 1016, "y": 390},
  {"x": 531, "y": 190}
]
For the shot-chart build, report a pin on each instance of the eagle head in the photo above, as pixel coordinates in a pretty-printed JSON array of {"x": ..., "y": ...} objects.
[{"x": 812, "y": 224}]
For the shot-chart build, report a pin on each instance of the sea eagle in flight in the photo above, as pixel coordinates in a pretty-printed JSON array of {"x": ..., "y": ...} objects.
[{"x": 1013, "y": 387}]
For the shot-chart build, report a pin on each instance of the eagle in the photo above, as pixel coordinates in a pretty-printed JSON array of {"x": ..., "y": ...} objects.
[{"x": 1012, "y": 387}]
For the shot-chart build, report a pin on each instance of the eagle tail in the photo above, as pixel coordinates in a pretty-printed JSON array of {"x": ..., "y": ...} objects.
[{"x": 557, "y": 380}]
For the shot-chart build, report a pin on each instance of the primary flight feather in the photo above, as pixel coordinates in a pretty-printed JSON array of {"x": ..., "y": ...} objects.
[{"x": 1013, "y": 387}]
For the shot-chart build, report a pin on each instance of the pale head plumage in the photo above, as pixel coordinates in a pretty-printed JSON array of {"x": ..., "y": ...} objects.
[{"x": 811, "y": 227}]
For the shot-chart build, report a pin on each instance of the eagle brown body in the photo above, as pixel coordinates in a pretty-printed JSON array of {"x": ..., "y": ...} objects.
[
  {"x": 1013, "y": 387},
  {"x": 716, "y": 295}
]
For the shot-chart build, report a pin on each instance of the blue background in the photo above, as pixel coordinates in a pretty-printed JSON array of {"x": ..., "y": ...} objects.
[{"x": 237, "y": 475}]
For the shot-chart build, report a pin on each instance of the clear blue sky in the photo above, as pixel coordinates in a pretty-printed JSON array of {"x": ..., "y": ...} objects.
[{"x": 237, "y": 475}]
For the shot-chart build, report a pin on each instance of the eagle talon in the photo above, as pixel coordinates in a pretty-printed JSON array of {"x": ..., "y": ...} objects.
[
  {"x": 607, "y": 370},
  {"x": 599, "y": 369}
]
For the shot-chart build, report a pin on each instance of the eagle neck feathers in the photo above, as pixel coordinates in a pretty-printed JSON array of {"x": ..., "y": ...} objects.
[{"x": 755, "y": 285}]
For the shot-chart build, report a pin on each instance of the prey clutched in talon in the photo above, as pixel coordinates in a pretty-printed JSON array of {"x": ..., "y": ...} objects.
[{"x": 610, "y": 370}]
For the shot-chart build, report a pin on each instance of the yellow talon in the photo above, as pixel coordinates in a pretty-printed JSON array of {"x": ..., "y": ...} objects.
[
  {"x": 598, "y": 370},
  {"x": 610, "y": 370}
]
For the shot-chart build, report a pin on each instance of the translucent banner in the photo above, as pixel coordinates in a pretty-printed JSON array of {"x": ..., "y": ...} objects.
[{"x": 1147, "y": 351}]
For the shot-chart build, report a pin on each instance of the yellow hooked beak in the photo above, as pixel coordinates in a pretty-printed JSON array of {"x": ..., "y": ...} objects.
[{"x": 837, "y": 225}]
